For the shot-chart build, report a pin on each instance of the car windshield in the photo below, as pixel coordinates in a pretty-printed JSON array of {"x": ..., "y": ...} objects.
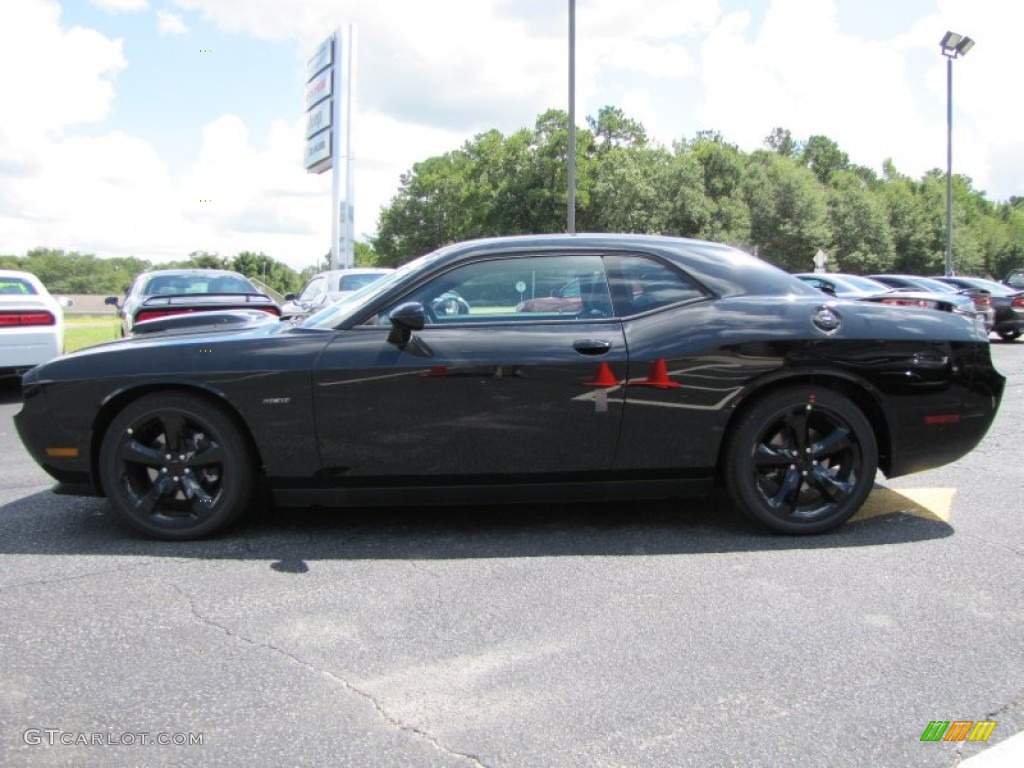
[
  {"x": 355, "y": 282},
  {"x": 170, "y": 285},
  {"x": 996, "y": 289},
  {"x": 15, "y": 286},
  {"x": 934, "y": 285},
  {"x": 864, "y": 283}
]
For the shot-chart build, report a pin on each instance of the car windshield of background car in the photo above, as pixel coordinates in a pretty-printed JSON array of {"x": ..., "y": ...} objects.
[
  {"x": 15, "y": 286},
  {"x": 867, "y": 284},
  {"x": 355, "y": 282},
  {"x": 996, "y": 289}
]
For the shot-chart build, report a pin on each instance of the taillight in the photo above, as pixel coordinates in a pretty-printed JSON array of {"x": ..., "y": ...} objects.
[
  {"x": 153, "y": 314},
  {"x": 982, "y": 302},
  {"x": 33, "y": 317},
  {"x": 1018, "y": 302}
]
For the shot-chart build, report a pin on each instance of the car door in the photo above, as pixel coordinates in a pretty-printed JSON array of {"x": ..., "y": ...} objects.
[{"x": 486, "y": 389}]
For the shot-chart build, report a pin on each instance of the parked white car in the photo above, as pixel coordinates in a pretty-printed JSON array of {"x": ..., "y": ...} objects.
[
  {"x": 31, "y": 322},
  {"x": 327, "y": 287}
]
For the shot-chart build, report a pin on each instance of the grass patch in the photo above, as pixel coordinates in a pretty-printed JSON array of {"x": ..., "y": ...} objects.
[{"x": 81, "y": 332}]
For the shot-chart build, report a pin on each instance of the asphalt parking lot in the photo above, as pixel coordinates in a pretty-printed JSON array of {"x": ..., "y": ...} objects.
[{"x": 589, "y": 635}]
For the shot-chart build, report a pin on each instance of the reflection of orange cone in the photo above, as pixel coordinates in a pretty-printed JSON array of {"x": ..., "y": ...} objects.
[
  {"x": 604, "y": 378},
  {"x": 435, "y": 371},
  {"x": 657, "y": 376}
]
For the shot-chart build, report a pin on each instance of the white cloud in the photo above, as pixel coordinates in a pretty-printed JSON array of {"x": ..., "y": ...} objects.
[
  {"x": 426, "y": 86},
  {"x": 53, "y": 78},
  {"x": 170, "y": 23},
  {"x": 121, "y": 5},
  {"x": 875, "y": 98}
]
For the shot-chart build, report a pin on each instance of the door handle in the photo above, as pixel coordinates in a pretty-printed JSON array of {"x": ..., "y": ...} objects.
[{"x": 592, "y": 346}]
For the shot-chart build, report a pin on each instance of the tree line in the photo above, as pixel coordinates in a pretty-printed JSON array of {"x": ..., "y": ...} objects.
[
  {"x": 64, "y": 272},
  {"x": 783, "y": 202}
]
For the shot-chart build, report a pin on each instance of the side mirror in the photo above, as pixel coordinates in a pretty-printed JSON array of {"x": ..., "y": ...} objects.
[
  {"x": 111, "y": 301},
  {"x": 406, "y": 318}
]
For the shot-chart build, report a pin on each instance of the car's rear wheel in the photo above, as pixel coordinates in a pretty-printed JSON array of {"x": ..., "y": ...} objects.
[
  {"x": 1009, "y": 335},
  {"x": 176, "y": 467},
  {"x": 802, "y": 460}
]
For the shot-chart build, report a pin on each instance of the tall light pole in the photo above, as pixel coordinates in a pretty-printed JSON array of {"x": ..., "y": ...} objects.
[
  {"x": 571, "y": 205},
  {"x": 953, "y": 47}
]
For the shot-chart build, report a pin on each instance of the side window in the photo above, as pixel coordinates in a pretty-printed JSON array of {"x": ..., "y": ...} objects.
[
  {"x": 639, "y": 284},
  {"x": 517, "y": 289}
]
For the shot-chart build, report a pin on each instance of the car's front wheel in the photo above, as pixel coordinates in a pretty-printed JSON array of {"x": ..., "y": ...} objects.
[
  {"x": 802, "y": 460},
  {"x": 1009, "y": 335},
  {"x": 176, "y": 467}
]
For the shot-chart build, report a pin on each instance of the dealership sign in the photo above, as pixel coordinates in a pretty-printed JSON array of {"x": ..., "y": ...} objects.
[{"x": 320, "y": 107}]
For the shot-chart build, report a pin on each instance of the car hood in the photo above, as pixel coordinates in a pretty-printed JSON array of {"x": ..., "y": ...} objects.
[{"x": 134, "y": 354}]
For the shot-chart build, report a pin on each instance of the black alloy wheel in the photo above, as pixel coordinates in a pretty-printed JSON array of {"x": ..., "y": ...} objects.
[
  {"x": 176, "y": 467},
  {"x": 802, "y": 460}
]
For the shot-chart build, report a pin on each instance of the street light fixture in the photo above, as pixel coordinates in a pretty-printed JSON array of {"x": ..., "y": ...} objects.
[
  {"x": 570, "y": 222},
  {"x": 953, "y": 47}
]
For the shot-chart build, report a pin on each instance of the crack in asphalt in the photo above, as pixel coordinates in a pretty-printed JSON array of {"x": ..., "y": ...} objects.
[
  {"x": 1005, "y": 708},
  {"x": 394, "y": 722},
  {"x": 958, "y": 754}
]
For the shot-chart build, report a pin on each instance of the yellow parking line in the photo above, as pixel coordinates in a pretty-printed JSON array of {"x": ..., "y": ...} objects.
[{"x": 926, "y": 503}]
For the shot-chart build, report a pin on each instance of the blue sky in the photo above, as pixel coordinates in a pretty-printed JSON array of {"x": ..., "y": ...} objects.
[{"x": 120, "y": 116}]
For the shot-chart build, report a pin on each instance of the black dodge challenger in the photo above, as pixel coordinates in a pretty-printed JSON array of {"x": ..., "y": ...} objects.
[{"x": 682, "y": 363}]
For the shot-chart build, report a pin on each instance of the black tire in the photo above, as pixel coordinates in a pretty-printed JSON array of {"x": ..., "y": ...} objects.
[
  {"x": 176, "y": 467},
  {"x": 1009, "y": 335},
  {"x": 802, "y": 460}
]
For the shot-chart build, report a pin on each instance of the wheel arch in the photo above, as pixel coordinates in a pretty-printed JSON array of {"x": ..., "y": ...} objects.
[
  {"x": 859, "y": 392},
  {"x": 118, "y": 402}
]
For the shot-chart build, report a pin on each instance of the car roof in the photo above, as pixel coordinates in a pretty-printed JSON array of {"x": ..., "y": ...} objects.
[
  {"x": 354, "y": 271},
  {"x": 192, "y": 272},
  {"x": 726, "y": 270}
]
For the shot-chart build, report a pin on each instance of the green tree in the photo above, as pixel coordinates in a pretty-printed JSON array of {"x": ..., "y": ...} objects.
[
  {"x": 781, "y": 141},
  {"x": 861, "y": 236},
  {"x": 823, "y": 156},
  {"x": 722, "y": 174},
  {"x": 788, "y": 211}
]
